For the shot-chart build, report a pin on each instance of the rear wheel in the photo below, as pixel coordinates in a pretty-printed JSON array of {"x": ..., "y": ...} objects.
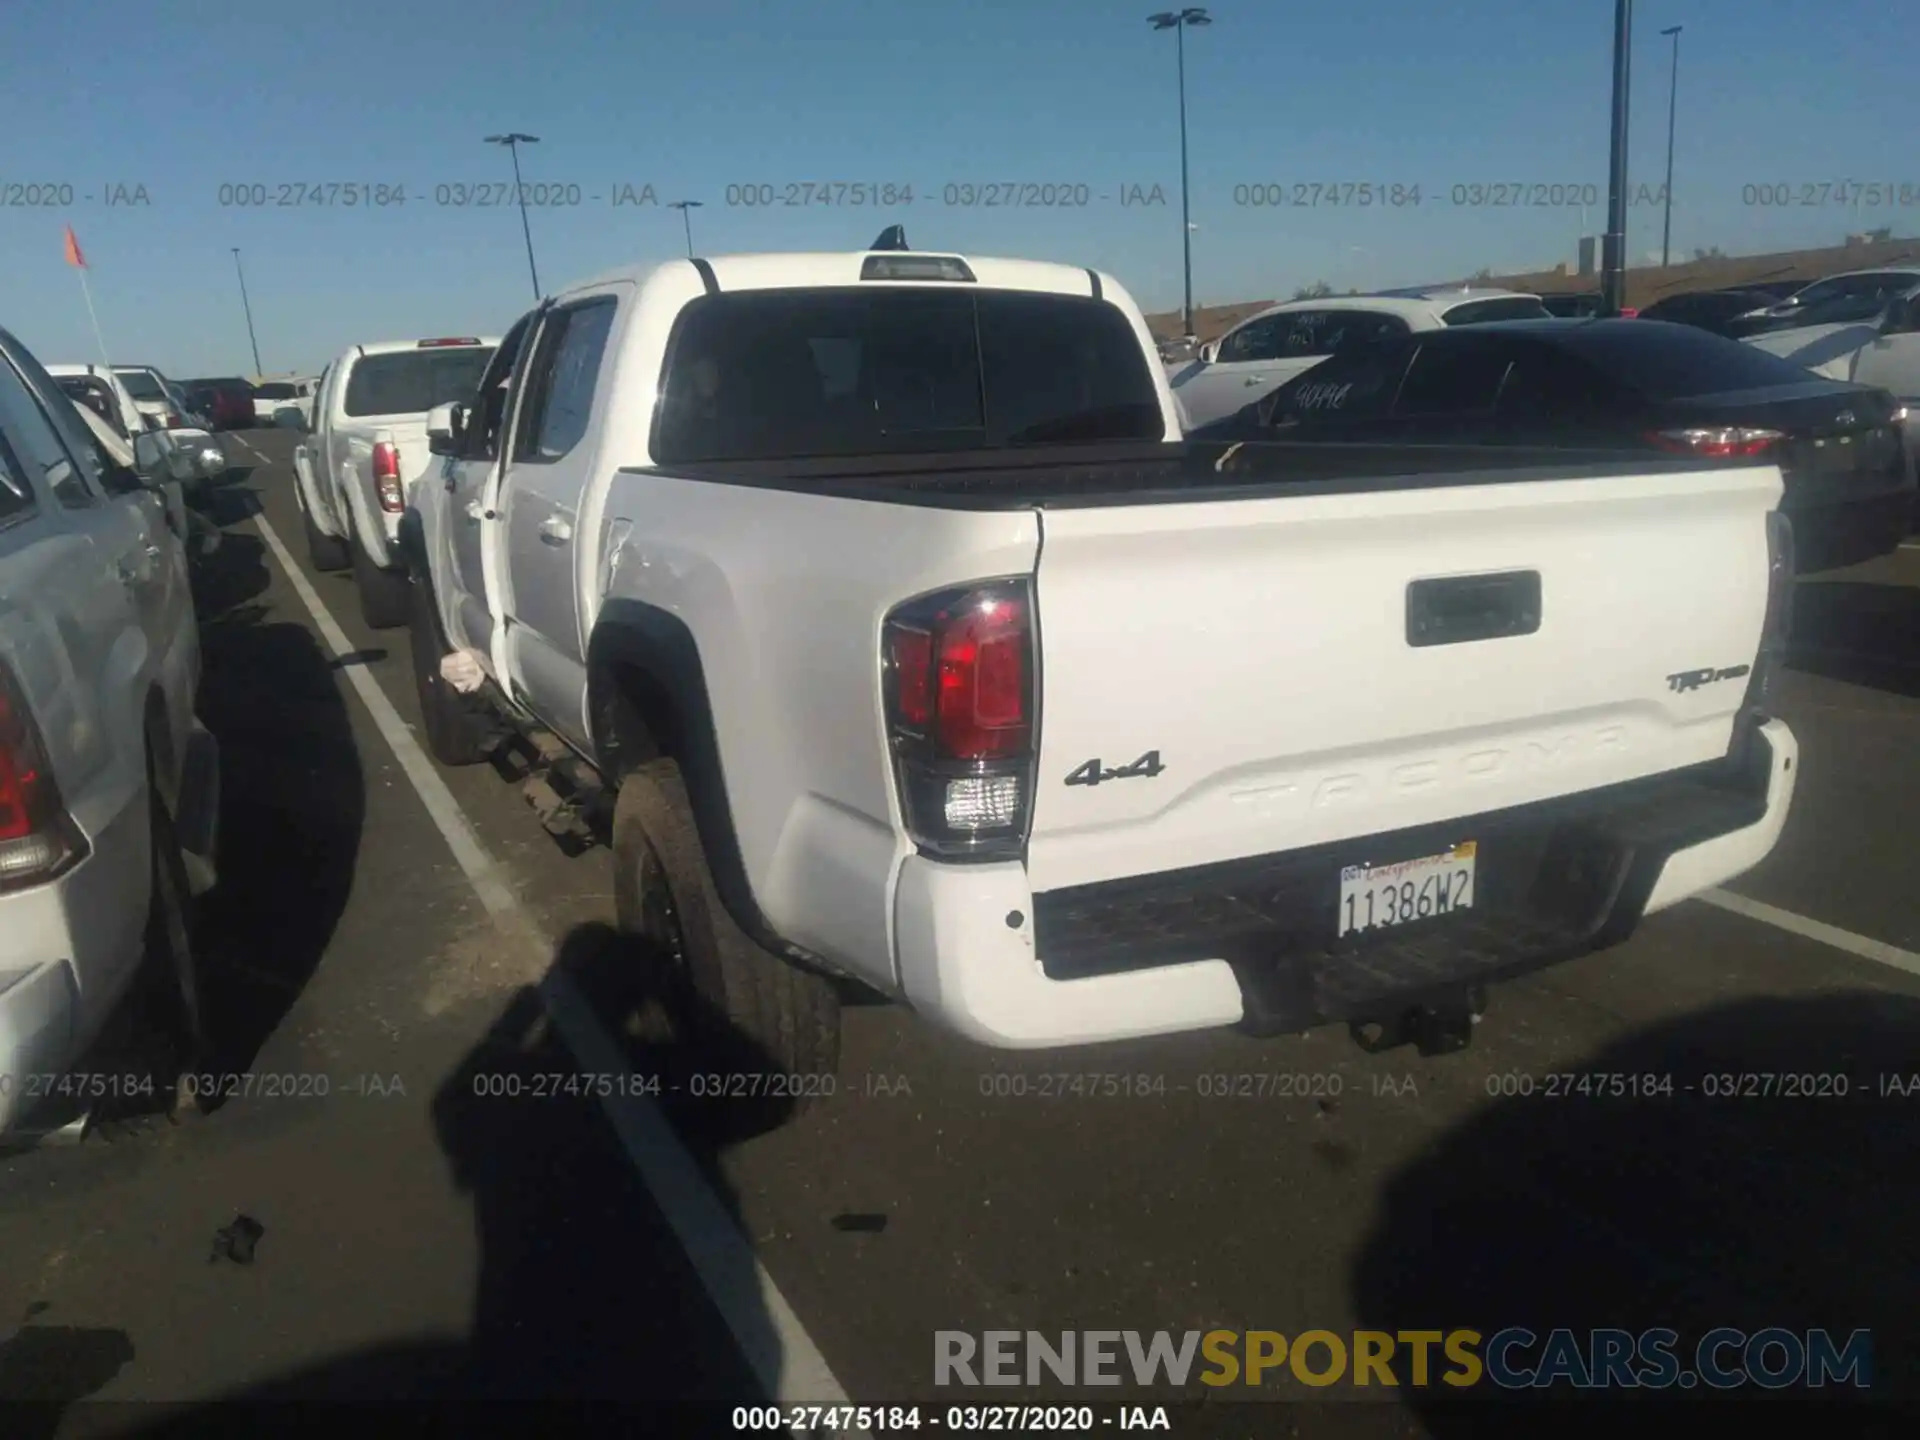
[
  {"x": 456, "y": 733},
  {"x": 173, "y": 1015},
  {"x": 385, "y": 595},
  {"x": 741, "y": 1010},
  {"x": 325, "y": 551}
]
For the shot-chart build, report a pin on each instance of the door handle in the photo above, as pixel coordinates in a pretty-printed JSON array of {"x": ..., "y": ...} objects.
[
  {"x": 473, "y": 509},
  {"x": 1256, "y": 380},
  {"x": 555, "y": 530}
]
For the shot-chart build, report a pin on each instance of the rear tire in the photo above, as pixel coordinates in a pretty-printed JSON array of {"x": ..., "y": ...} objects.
[
  {"x": 170, "y": 959},
  {"x": 739, "y": 1008},
  {"x": 385, "y": 595},
  {"x": 455, "y": 734},
  {"x": 327, "y": 553}
]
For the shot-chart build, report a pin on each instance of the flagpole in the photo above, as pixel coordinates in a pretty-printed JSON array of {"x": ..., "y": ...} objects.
[
  {"x": 87, "y": 291},
  {"x": 77, "y": 258}
]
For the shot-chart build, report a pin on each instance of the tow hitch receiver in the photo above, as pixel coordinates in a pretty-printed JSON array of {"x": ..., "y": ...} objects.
[{"x": 1435, "y": 1024}]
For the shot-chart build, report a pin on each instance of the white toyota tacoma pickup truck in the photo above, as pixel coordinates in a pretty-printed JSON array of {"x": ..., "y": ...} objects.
[
  {"x": 367, "y": 442},
  {"x": 878, "y": 603}
]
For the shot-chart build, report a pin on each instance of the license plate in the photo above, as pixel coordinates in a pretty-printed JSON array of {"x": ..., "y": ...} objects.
[{"x": 1374, "y": 897}]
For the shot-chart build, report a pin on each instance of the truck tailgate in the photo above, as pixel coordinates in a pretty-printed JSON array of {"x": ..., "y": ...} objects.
[{"x": 1299, "y": 684}]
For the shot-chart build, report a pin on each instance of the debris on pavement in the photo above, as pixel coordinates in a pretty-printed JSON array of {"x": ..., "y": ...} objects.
[{"x": 236, "y": 1241}]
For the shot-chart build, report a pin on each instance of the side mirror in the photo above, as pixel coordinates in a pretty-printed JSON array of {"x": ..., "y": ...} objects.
[
  {"x": 444, "y": 424},
  {"x": 152, "y": 457},
  {"x": 1209, "y": 352}
]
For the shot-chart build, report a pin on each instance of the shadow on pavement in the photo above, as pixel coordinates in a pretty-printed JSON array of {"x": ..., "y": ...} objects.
[
  {"x": 587, "y": 1312},
  {"x": 1858, "y": 631},
  {"x": 292, "y": 797},
  {"x": 1748, "y": 1210}
]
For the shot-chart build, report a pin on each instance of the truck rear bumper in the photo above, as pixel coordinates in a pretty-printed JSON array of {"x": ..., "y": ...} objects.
[{"x": 1253, "y": 940}]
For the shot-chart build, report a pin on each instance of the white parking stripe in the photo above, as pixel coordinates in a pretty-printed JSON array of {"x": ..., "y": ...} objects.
[
  {"x": 250, "y": 450},
  {"x": 783, "y": 1356},
  {"x": 1818, "y": 930}
]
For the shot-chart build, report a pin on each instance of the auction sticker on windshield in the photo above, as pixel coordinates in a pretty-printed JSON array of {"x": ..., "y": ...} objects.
[{"x": 1378, "y": 896}]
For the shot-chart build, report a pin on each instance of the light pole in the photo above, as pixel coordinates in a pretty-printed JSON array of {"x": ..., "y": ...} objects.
[
  {"x": 683, "y": 206},
  {"x": 1613, "y": 262},
  {"x": 1673, "y": 100},
  {"x": 513, "y": 140},
  {"x": 247, "y": 305},
  {"x": 1178, "y": 21}
]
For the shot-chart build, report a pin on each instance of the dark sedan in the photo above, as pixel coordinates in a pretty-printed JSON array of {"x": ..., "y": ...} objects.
[
  {"x": 1618, "y": 385},
  {"x": 228, "y": 402}
]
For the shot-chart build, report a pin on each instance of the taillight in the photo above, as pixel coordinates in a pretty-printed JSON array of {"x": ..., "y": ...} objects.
[
  {"x": 959, "y": 669},
  {"x": 1718, "y": 440},
  {"x": 386, "y": 477},
  {"x": 38, "y": 839},
  {"x": 173, "y": 421},
  {"x": 1628, "y": 312}
]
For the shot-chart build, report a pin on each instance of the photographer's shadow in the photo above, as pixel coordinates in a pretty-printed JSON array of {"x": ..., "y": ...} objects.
[
  {"x": 587, "y": 1303},
  {"x": 1762, "y": 1196}
]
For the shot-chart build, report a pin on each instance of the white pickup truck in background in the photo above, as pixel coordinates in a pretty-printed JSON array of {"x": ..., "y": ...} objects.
[
  {"x": 367, "y": 442},
  {"x": 876, "y": 604}
]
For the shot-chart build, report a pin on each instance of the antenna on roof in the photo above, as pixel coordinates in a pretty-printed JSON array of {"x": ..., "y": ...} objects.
[{"x": 894, "y": 237}]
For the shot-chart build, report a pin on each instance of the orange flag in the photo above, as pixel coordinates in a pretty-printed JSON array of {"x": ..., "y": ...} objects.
[{"x": 74, "y": 257}]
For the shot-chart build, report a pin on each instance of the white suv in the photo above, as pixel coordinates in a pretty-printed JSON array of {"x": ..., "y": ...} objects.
[{"x": 1267, "y": 350}]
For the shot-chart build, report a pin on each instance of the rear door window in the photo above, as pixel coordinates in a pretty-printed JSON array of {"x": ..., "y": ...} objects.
[
  {"x": 1453, "y": 379},
  {"x": 553, "y": 418},
  {"x": 1546, "y": 388},
  {"x": 39, "y": 446},
  {"x": 1358, "y": 385}
]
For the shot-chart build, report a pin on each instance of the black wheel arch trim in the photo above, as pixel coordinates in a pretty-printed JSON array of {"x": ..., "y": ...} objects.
[{"x": 631, "y": 634}]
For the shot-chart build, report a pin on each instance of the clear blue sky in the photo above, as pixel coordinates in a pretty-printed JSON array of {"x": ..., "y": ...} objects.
[{"x": 693, "y": 98}]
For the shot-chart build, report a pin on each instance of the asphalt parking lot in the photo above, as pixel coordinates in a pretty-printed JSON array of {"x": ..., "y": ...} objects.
[{"x": 425, "y": 1234}]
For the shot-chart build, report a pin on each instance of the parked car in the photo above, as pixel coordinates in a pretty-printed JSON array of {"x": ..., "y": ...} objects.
[
  {"x": 159, "y": 399},
  {"x": 1719, "y": 312},
  {"x": 778, "y": 555},
  {"x": 1845, "y": 299},
  {"x": 1847, "y": 470},
  {"x": 109, "y": 784},
  {"x": 105, "y": 393},
  {"x": 227, "y": 402},
  {"x": 367, "y": 445},
  {"x": 1273, "y": 346},
  {"x": 1843, "y": 340},
  {"x": 283, "y": 402}
]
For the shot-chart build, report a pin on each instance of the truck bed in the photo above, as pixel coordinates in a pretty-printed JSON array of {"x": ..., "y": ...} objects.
[{"x": 1146, "y": 473}]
